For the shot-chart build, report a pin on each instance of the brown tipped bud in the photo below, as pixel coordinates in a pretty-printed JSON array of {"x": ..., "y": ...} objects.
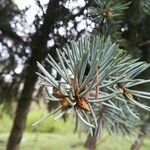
[
  {"x": 126, "y": 93},
  {"x": 104, "y": 13},
  {"x": 109, "y": 14},
  {"x": 65, "y": 103},
  {"x": 59, "y": 94},
  {"x": 83, "y": 104}
]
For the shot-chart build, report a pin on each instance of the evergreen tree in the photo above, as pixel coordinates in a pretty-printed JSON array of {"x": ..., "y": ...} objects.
[
  {"x": 103, "y": 97},
  {"x": 100, "y": 92},
  {"x": 27, "y": 43}
]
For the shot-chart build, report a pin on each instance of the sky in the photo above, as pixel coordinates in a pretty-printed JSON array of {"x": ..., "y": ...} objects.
[
  {"x": 32, "y": 11},
  {"x": 30, "y": 16},
  {"x": 72, "y": 4}
]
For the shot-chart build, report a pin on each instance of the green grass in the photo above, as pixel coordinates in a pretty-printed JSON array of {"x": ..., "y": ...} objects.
[
  {"x": 57, "y": 135},
  {"x": 45, "y": 141},
  {"x": 49, "y": 125},
  {"x": 5, "y": 123}
]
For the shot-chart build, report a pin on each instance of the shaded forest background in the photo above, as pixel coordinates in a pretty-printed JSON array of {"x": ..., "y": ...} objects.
[{"x": 55, "y": 23}]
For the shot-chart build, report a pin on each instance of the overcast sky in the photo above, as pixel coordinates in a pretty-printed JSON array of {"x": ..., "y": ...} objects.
[{"x": 30, "y": 17}]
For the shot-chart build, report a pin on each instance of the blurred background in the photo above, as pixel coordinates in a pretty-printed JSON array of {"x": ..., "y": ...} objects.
[{"x": 29, "y": 30}]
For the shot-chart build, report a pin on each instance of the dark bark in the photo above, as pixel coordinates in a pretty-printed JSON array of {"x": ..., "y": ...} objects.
[
  {"x": 90, "y": 143},
  {"x": 23, "y": 107},
  {"x": 38, "y": 46},
  {"x": 140, "y": 139}
]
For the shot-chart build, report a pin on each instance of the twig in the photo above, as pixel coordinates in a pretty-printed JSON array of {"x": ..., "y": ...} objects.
[
  {"x": 97, "y": 86},
  {"x": 144, "y": 43}
]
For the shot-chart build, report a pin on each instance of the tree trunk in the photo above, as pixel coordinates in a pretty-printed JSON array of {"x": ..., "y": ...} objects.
[
  {"x": 38, "y": 46},
  {"x": 90, "y": 143},
  {"x": 23, "y": 106},
  {"x": 140, "y": 140}
]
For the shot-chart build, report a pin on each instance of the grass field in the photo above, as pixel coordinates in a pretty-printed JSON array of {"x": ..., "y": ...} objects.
[
  {"x": 45, "y": 141},
  {"x": 57, "y": 135}
]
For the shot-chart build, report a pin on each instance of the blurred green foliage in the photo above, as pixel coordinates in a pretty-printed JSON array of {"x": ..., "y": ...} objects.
[
  {"x": 47, "y": 126},
  {"x": 46, "y": 141},
  {"x": 5, "y": 123},
  {"x": 57, "y": 134}
]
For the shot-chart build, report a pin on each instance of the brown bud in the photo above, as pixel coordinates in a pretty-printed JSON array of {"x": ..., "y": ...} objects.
[
  {"x": 59, "y": 94},
  {"x": 82, "y": 103},
  {"x": 104, "y": 13},
  {"x": 65, "y": 103},
  {"x": 126, "y": 93},
  {"x": 109, "y": 14}
]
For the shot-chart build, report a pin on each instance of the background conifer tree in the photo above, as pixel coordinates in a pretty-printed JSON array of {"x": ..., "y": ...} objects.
[
  {"x": 118, "y": 25},
  {"x": 108, "y": 16}
]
